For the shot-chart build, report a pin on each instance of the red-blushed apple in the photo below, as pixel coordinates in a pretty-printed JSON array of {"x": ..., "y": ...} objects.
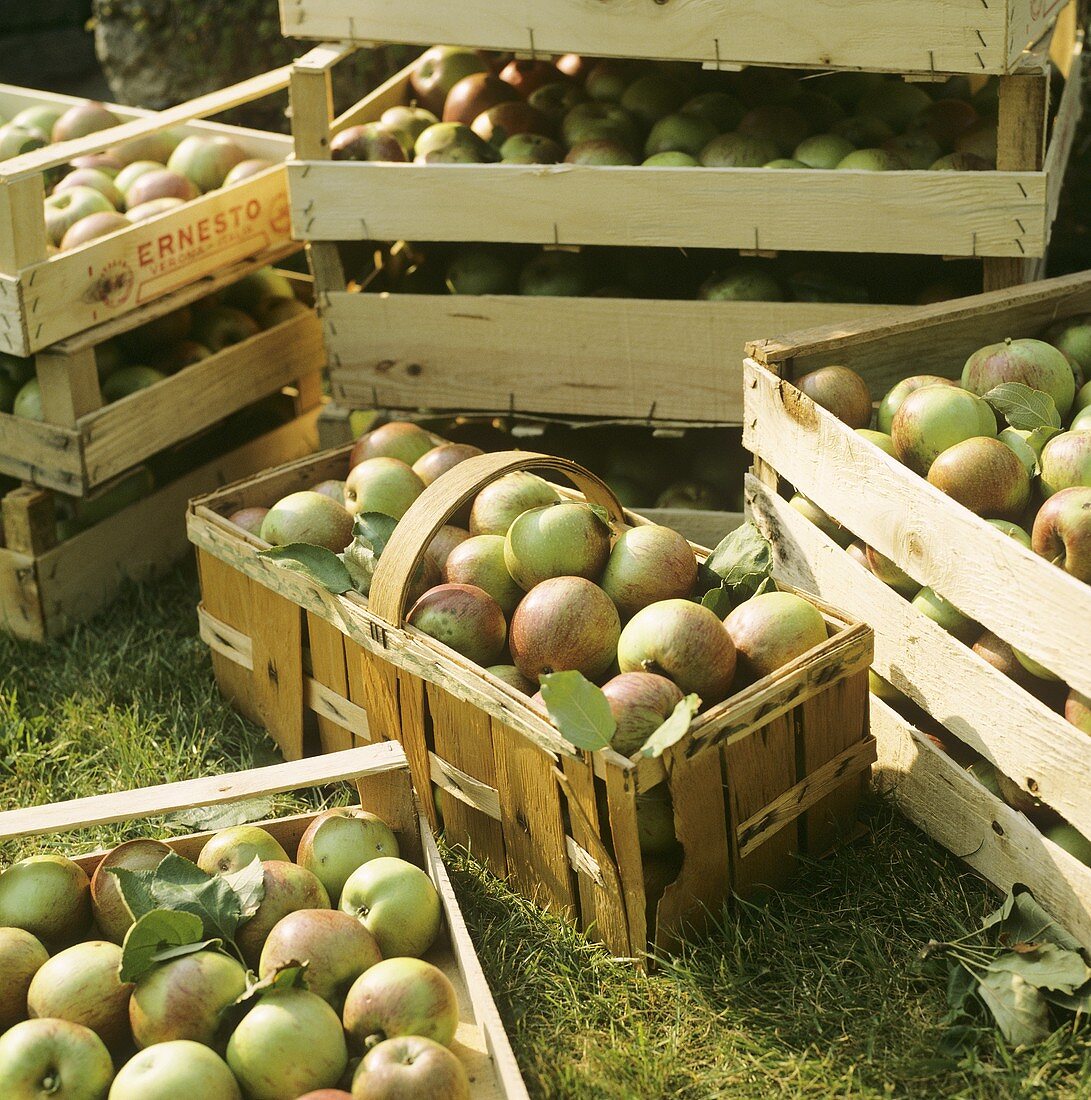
[
  {"x": 569, "y": 539},
  {"x": 505, "y": 120},
  {"x": 21, "y": 956},
  {"x": 152, "y": 209},
  {"x": 288, "y": 887},
  {"x": 1066, "y": 462},
  {"x": 236, "y": 847},
  {"x": 401, "y": 996},
  {"x": 398, "y": 439},
  {"x": 396, "y": 902},
  {"x": 892, "y": 402},
  {"x": 500, "y": 503},
  {"x": 890, "y": 573},
  {"x": 288, "y": 1044},
  {"x": 565, "y": 624},
  {"x": 1034, "y": 363},
  {"x": 93, "y": 227},
  {"x": 48, "y": 896},
  {"x": 103, "y": 162},
  {"x": 371, "y": 141},
  {"x": 171, "y": 1071},
  {"x": 479, "y": 561},
  {"x": 183, "y": 998},
  {"x": 81, "y": 120},
  {"x": 528, "y": 76},
  {"x": 648, "y": 564},
  {"x": 221, "y": 326},
  {"x": 340, "y": 840},
  {"x": 336, "y": 947},
  {"x": 97, "y": 181},
  {"x": 463, "y": 617},
  {"x": 984, "y": 475},
  {"x": 384, "y": 485},
  {"x": 1077, "y": 710},
  {"x": 640, "y": 703},
  {"x": 327, "y": 1094},
  {"x": 931, "y": 604},
  {"x": 333, "y": 489},
  {"x": 410, "y": 1067},
  {"x": 1062, "y": 533},
  {"x": 436, "y": 462},
  {"x": 249, "y": 519},
  {"x": 511, "y": 676},
  {"x": 841, "y": 391},
  {"x": 132, "y": 172},
  {"x": 112, "y": 913},
  {"x": 438, "y": 70},
  {"x": 163, "y": 183},
  {"x": 934, "y": 418},
  {"x": 206, "y": 160},
  {"x": 246, "y": 169},
  {"x": 65, "y": 209},
  {"x": 157, "y": 147},
  {"x": 53, "y": 1059},
  {"x": 311, "y": 517},
  {"x": 684, "y": 642},
  {"x": 446, "y": 539},
  {"x": 475, "y": 94},
  {"x": 773, "y": 629}
]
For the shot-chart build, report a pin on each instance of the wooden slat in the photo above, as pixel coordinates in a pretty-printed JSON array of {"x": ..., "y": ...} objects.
[
  {"x": 276, "y": 635},
  {"x": 625, "y": 841},
  {"x": 327, "y": 647},
  {"x": 70, "y": 390},
  {"x": 23, "y": 240},
  {"x": 1030, "y": 603},
  {"x": 29, "y": 521},
  {"x": 225, "y": 597},
  {"x": 47, "y": 454}
]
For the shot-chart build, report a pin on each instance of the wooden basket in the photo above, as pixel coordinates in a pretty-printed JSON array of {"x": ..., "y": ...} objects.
[
  {"x": 1026, "y": 600},
  {"x": 83, "y": 442},
  {"x": 929, "y": 37},
  {"x": 999, "y": 214},
  {"x": 45, "y": 298},
  {"x": 775, "y": 770},
  {"x": 47, "y": 586},
  {"x": 381, "y": 779}
]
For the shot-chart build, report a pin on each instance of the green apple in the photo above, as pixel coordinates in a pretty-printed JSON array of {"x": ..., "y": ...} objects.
[
  {"x": 401, "y": 996},
  {"x": 561, "y": 540},
  {"x": 1066, "y": 462},
  {"x": 340, "y": 840},
  {"x": 48, "y": 896},
  {"x": 65, "y": 208},
  {"x": 288, "y": 888},
  {"x": 679, "y": 134},
  {"x": 647, "y": 564},
  {"x": 206, "y": 160},
  {"x": 170, "y": 1071},
  {"x": 497, "y": 506},
  {"x": 309, "y": 517},
  {"x": 53, "y": 1060},
  {"x": 934, "y": 418},
  {"x": 132, "y": 172},
  {"x": 234, "y": 848},
  {"x": 21, "y": 956},
  {"x": 408, "y": 1067},
  {"x": 556, "y": 273},
  {"x": 823, "y": 150},
  {"x": 895, "y": 396},
  {"x": 129, "y": 380},
  {"x": 396, "y": 902},
  {"x": 384, "y": 485},
  {"x": 112, "y": 914},
  {"x": 931, "y": 604}
]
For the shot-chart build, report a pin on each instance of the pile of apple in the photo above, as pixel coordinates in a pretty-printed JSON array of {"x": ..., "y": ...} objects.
[
  {"x": 105, "y": 192},
  {"x": 245, "y": 975},
  {"x": 162, "y": 347},
  {"x": 472, "y": 107},
  {"x": 1030, "y": 477}
]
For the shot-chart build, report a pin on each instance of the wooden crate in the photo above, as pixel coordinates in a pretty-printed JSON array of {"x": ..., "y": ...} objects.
[
  {"x": 83, "y": 442},
  {"x": 381, "y": 779},
  {"x": 1004, "y": 215},
  {"x": 47, "y": 297},
  {"x": 1023, "y": 598},
  {"x": 903, "y": 36},
  {"x": 773, "y": 771},
  {"x": 46, "y": 586}
]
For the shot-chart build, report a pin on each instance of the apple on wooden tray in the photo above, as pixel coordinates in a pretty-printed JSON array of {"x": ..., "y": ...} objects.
[{"x": 243, "y": 975}]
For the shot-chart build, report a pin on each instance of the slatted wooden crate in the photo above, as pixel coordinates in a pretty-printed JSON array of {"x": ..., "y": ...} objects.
[
  {"x": 381, "y": 779},
  {"x": 1026, "y": 600},
  {"x": 1004, "y": 215},
  {"x": 772, "y": 771},
  {"x": 47, "y": 296},
  {"x": 905, "y": 36},
  {"x": 46, "y": 585},
  {"x": 82, "y": 443}
]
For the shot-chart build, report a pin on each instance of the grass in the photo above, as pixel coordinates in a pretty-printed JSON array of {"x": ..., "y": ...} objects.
[{"x": 813, "y": 993}]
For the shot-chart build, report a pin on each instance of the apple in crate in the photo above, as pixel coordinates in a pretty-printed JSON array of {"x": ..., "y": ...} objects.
[
  {"x": 500, "y": 503},
  {"x": 398, "y": 439},
  {"x": 307, "y": 516},
  {"x": 55, "y": 1059},
  {"x": 48, "y": 896},
  {"x": 236, "y": 847},
  {"x": 206, "y": 161},
  {"x": 568, "y": 539},
  {"x": 773, "y": 629},
  {"x": 288, "y": 887},
  {"x": 407, "y": 1067},
  {"x": 463, "y": 617},
  {"x": 401, "y": 996},
  {"x": 1062, "y": 533},
  {"x": 112, "y": 914},
  {"x": 340, "y": 840},
  {"x": 180, "y": 1068},
  {"x": 21, "y": 956},
  {"x": 396, "y": 902}
]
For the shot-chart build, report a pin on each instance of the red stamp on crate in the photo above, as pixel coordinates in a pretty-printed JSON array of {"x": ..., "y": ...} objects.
[{"x": 114, "y": 286}]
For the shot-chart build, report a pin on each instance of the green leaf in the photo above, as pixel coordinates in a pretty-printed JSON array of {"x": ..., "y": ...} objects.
[
  {"x": 375, "y": 529},
  {"x": 1025, "y": 921},
  {"x": 1023, "y": 407},
  {"x": 960, "y": 986},
  {"x": 212, "y": 818},
  {"x": 135, "y": 887},
  {"x": 155, "y": 935},
  {"x": 601, "y": 513},
  {"x": 719, "y": 600},
  {"x": 743, "y": 561},
  {"x": 1039, "y": 437},
  {"x": 1020, "y": 1010},
  {"x": 579, "y": 710},
  {"x": 289, "y": 976},
  {"x": 674, "y": 728},
  {"x": 1045, "y": 966},
  {"x": 249, "y": 885},
  {"x": 1073, "y": 1002},
  {"x": 316, "y": 563}
]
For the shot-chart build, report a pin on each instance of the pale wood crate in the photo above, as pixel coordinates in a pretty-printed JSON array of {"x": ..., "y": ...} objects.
[
  {"x": 46, "y": 587},
  {"x": 45, "y": 298},
  {"x": 560, "y": 825},
  {"x": 380, "y": 776},
  {"x": 83, "y": 443},
  {"x": 905, "y": 36}
]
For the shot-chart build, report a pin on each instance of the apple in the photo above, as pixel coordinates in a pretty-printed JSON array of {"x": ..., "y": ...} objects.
[
  {"x": 97, "y": 181},
  {"x": 409, "y": 1067},
  {"x": 221, "y": 326},
  {"x": 157, "y": 147},
  {"x": 1035, "y": 668},
  {"x": 659, "y": 160},
  {"x": 773, "y": 629},
  {"x": 452, "y": 143},
  {"x": 946, "y": 120},
  {"x": 684, "y": 642},
  {"x": 528, "y": 76},
  {"x": 338, "y": 841},
  {"x": 92, "y": 227},
  {"x": 993, "y": 649},
  {"x": 608, "y": 78},
  {"x": 1077, "y": 710},
  {"x": 371, "y": 141},
  {"x": 308, "y": 517},
  {"x": 436, "y": 462},
  {"x": 475, "y": 94},
  {"x": 600, "y": 121},
  {"x": 65, "y": 209},
  {"x": 1072, "y": 337},
  {"x": 41, "y": 117},
  {"x": 890, "y": 574},
  {"x": 112, "y": 914},
  {"x": 448, "y": 537},
  {"x": 568, "y": 539},
  {"x": 719, "y": 108},
  {"x": 1066, "y": 462},
  {"x": 897, "y": 102},
  {"x": 249, "y": 519},
  {"x": 333, "y": 489},
  {"x": 505, "y": 120},
  {"x": 53, "y": 1059},
  {"x": 984, "y": 475},
  {"x": 827, "y": 525},
  {"x": 1081, "y": 422},
  {"x": 735, "y": 150},
  {"x": 162, "y": 183},
  {"x": 498, "y": 505},
  {"x": 601, "y": 152},
  {"x": 246, "y": 169},
  {"x": 640, "y": 703},
  {"x": 934, "y": 418},
  {"x": 655, "y": 822},
  {"x": 130, "y": 380},
  {"x": 328, "y": 1094},
  {"x": 183, "y": 998},
  {"x": 894, "y": 397},
  {"x": 477, "y": 269},
  {"x": 289, "y": 1043},
  {"x": 132, "y": 172},
  {"x": 872, "y": 160},
  {"x": 408, "y": 123},
  {"x": 28, "y": 401},
  {"x": 931, "y": 604},
  {"x": 401, "y": 996},
  {"x": 962, "y": 162},
  {"x": 556, "y": 99},
  {"x": 288, "y": 888},
  {"x": 463, "y": 617},
  {"x": 236, "y": 847},
  {"x": 823, "y": 150},
  {"x": 397, "y": 903},
  {"x": 81, "y": 120},
  {"x": 206, "y": 160},
  {"x": 648, "y": 564},
  {"x": 864, "y": 131},
  {"x": 531, "y": 149},
  {"x": 841, "y": 391},
  {"x": 275, "y": 311},
  {"x": 556, "y": 274},
  {"x": 176, "y": 1069},
  {"x": 106, "y": 163},
  {"x": 1071, "y": 840},
  {"x": 479, "y": 561},
  {"x": 21, "y": 956},
  {"x": 1061, "y": 533},
  {"x": 511, "y": 676},
  {"x": 778, "y": 123},
  {"x": 384, "y": 485},
  {"x": 48, "y": 896},
  {"x": 653, "y": 96},
  {"x": 81, "y": 984},
  {"x": 438, "y": 70},
  {"x": 745, "y": 283},
  {"x": 152, "y": 209},
  {"x": 398, "y": 439},
  {"x": 1012, "y": 530},
  {"x": 680, "y": 133},
  {"x": 1031, "y": 362}
]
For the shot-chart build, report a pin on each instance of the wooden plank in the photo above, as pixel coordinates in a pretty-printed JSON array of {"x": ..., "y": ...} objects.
[
  {"x": 225, "y": 596},
  {"x": 932, "y": 213},
  {"x": 954, "y": 809},
  {"x": 311, "y": 91},
  {"x": 29, "y": 521},
  {"x": 1065, "y": 125},
  {"x": 23, "y": 241},
  {"x": 47, "y": 454},
  {"x": 621, "y": 805},
  {"x": 70, "y": 389},
  {"x": 1027, "y": 601},
  {"x": 1047, "y": 756},
  {"x": 20, "y": 600},
  {"x": 327, "y": 648}
]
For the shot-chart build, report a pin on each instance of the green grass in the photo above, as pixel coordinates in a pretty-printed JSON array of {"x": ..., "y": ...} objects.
[{"x": 815, "y": 992}]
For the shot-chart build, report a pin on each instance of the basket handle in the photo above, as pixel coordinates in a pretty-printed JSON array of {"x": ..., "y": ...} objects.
[{"x": 443, "y": 498}]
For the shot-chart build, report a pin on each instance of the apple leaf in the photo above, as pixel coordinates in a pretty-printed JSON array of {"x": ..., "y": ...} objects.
[
  {"x": 316, "y": 563},
  {"x": 224, "y": 816},
  {"x": 1046, "y": 966},
  {"x": 1020, "y": 1010},
  {"x": 743, "y": 561},
  {"x": 249, "y": 885},
  {"x": 1022, "y": 920},
  {"x": 288, "y": 976},
  {"x": 1039, "y": 437},
  {"x": 1023, "y": 407},
  {"x": 579, "y": 710},
  {"x": 375, "y": 529},
  {"x": 674, "y": 728},
  {"x": 601, "y": 513},
  {"x": 158, "y": 936},
  {"x": 719, "y": 600}
]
